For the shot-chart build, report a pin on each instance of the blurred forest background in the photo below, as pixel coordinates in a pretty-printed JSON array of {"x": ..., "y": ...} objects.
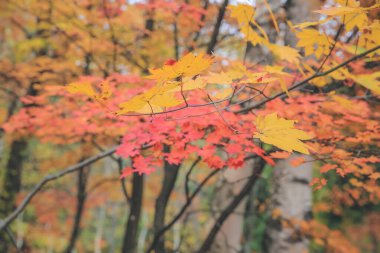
[{"x": 45, "y": 44}]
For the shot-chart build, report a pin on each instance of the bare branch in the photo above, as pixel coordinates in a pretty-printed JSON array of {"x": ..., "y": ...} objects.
[
  {"x": 5, "y": 222},
  {"x": 187, "y": 178},
  {"x": 305, "y": 81}
]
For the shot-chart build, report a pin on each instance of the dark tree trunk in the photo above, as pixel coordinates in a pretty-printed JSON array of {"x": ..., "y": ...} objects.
[
  {"x": 12, "y": 174},
  {"x": 81, "y": 198},
  {"x": 130, "y": 236},
  {"x": 11, "y": 186},
  {"x": 170, "y": 177},
  {"x": 215, "y": 32}
]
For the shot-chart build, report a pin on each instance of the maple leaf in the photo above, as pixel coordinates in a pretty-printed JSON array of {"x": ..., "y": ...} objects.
[
  {"x": 144, "y": 103},
  {"x": 188, "y": 66},
  {"x": 84, "y": 88},
  {"x": 242, "y": 12},
  {"x": 352, "y": 14},
  {"x": 219, "y": 78},
  {"x": 370, "y": 81},
  {"x": 281, "y": 133},
  {"x": 313, "y": 42},
  {"x": 370, "y": 37},
  {"x": 285, "y": 53},
  {"x": 277, "y": 71},
  {"x": 187, "y": 84},
  {"x": 191, "y": 65},
  {"x": 105, "y": 91}
]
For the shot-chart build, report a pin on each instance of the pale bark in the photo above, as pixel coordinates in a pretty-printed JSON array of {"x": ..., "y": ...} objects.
[
  {"x": 99, "y": 229},
  {"x": 291, "y": 200},
  {"x": 292, "y": 194},
  {"x": 229, "y": 237}
]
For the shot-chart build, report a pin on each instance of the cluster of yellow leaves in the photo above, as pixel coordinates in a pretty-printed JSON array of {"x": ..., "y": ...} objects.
[
  {"x": 370, "y": 35},
  {"x": 313, "y": 42},
  {"x": 281, "y": 133},
  {"x": 244, "y": 14},
  {"x": 351, "y": 13},
  {"x": 170, "y": 79}
]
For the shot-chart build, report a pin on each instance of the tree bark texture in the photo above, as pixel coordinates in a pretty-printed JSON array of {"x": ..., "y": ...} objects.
[
  {"x": 291, "y": 200},
  {"x": 81, "y": 199},
  {"x": 130, "y": 235},
  {"x": 11, "y": 186},
  {"x": 228, "y": 239},
  {"x": 168, "y": 182}
]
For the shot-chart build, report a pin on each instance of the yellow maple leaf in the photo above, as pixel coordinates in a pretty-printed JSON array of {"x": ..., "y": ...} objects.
[
  {"x": 277, "y": 72},
  {"x": 135, "y": 104},
  {"x": 370, "y": 81},
  {"x": 163, "y": 74},
  {"x": 281, "y": 133},
  {"x": 313, "y": 42},
  {"x": 219, "y": 78},
  {"x": 187, "y": 84},
  {"x": 152, "y": 101},
  {"x": 192, "y": 65},
  {"x": 346, "y": 103},
  {"x": 285, "y": 53},
  {"x": 84, "y": 88},
  {"x": 188, "y": 66},
  {"x": 140, "y": 104},
  {"x": 105, "y": 91},
  {"x": 369, "y": 38},
  {"x": 352, "y": 14},
  {"x": 252, "y": 36},
  {"x": 237, "y": 70},
  {"x": 242, "y": 12}
]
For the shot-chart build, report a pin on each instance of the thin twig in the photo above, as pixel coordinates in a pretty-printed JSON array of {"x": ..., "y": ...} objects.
[
  {"x": 13, "y": 239},
  {"x": 187, "y": 178}
]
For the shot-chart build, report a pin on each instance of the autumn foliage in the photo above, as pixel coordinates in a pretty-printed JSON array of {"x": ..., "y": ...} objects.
[{"x": 180, "y": 91}]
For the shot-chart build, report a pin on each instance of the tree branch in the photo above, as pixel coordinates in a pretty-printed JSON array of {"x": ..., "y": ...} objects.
[
  {"x": 305, "y": 81},
  {"x": 187, "y": 178},
  {"x": 231, "y": 207},
  {"x": 5, "y": 222}
]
